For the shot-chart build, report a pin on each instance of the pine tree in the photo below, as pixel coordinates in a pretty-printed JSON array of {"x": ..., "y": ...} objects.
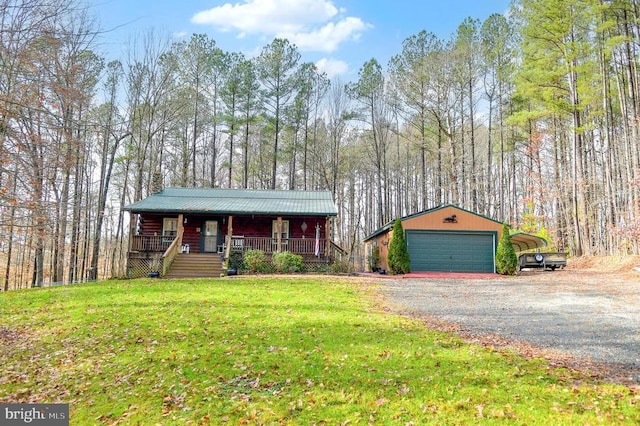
[
  {"x": 277, "y": 68},
  {"x": 399, "y": 262},
  {"x": 506, "y": 259}
]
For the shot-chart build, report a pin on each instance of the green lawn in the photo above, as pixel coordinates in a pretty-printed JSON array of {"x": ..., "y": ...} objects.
[{"x": 264, "y": 350}]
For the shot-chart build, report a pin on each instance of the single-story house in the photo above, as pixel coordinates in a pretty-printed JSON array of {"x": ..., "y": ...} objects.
[
  {"x": 192, "y": 231},
  {"x": 448, "y": 238}
]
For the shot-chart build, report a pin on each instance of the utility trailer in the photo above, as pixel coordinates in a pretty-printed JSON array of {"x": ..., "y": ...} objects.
[{"x": 551, "y": 261}]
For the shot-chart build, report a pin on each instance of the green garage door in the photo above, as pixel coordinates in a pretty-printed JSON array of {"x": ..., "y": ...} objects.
[{"x": 450, "y": 252}]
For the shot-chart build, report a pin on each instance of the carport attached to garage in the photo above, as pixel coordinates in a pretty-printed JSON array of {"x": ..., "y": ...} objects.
[{"x": 451, "y": 251}]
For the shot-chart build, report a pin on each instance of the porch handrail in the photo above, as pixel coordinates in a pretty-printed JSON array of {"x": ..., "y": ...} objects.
[
  {"x": 171, "y": 253},
  {"x": 337, "y": 248},
  {"x": 335, "y": 251}
]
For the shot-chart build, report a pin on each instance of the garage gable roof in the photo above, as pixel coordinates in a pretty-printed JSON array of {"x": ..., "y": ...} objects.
[
  {"x": 428, "y": 211},
  {"x": 237, "y": 201},
  {"x": 521, "y": 241}
]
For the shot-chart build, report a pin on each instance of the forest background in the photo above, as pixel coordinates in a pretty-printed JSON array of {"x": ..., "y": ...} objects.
[{"x": 530, "y": 118}]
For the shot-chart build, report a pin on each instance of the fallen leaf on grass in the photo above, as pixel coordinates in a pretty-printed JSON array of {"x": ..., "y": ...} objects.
[{"x": 172, "y": 402}]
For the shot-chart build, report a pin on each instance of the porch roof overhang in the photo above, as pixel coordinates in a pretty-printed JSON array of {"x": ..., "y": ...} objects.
[
  {"x": 522, "y": 241},
  {"x": 237, "y": 202}
]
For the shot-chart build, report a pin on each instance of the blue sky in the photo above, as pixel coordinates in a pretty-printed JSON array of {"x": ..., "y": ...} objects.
[{"x": 338, "y": 35}]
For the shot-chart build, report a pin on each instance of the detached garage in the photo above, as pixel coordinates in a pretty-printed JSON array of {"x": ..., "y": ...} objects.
[
  {"x": 446, "y": 251},
  {"x": 447, "y": 239}
]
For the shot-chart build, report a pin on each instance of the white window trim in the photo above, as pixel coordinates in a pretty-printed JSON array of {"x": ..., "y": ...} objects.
[
  {"x": 170, "y": 227},
  {"x": 285, "y": 230}
]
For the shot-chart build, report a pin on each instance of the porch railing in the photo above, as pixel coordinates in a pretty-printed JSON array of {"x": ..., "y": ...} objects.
[
  {"x": 153, "y": 243},
  {"x": 170, "y": 246},
  {"x": 165, "y": 247},
  {"x": 303, "y": 246}
]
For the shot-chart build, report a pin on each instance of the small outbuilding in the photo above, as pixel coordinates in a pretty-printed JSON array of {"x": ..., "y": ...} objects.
[{"x": 447, "y": 239}]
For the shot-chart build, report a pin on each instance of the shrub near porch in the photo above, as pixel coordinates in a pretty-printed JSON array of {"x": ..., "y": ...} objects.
[{"x": 294, "y": 350}]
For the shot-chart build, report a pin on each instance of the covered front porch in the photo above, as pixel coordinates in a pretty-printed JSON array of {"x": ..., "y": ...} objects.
[{"x": 156, "y": 240}]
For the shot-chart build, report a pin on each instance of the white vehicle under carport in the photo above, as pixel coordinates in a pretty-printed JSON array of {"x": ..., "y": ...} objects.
[{"x": 551, "y": 260}]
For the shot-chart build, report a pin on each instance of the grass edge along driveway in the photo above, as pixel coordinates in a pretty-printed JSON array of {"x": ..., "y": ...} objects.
[{"x": 271, "y": 350}]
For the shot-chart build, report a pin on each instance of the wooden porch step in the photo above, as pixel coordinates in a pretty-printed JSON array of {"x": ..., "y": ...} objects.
[{"x": 195, "y": 265}]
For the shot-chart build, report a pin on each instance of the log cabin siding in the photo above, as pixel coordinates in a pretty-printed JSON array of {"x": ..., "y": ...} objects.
[{"x": 150, "y": 225}]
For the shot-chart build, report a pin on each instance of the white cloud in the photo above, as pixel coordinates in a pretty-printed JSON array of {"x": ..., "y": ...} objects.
[
  {"x": 270, "y": 16},
  {"x": 315, "y": 25},
  {"x": 329, "y": 37},
  {"x": 332, "y": 67},
  {"x": 180, "y": 34}
]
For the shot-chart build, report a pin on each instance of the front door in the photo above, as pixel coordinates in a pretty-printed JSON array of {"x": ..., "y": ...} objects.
[{"x": 210, "y": 236}]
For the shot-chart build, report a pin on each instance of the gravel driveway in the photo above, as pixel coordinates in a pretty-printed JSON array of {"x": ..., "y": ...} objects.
[{"x": 587, "y": 316}]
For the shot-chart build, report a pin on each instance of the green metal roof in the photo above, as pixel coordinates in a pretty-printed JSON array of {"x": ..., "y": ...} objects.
[{"x": 237, "y": 201}]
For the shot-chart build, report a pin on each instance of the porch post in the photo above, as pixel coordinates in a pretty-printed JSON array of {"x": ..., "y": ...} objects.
[
  {"x": 279, "y": 237},
  {"x": 180, "y": 230},
  {"x": 327, "y": 235},
  {"x": 227, "y": 251},
  {"x": 132, "y": 227}
]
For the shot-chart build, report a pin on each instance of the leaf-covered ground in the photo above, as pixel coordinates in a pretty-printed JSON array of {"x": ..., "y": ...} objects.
[{"x": 265, "y": 350}]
